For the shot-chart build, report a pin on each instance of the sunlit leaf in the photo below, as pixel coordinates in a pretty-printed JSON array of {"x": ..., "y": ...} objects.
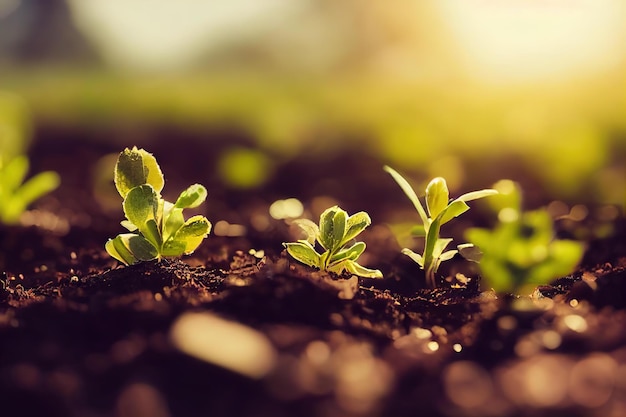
[
  {"x": 173, "y": 220},
  {"x": 455, "y": 209},
  {"x": 137, "y": 167},
  {"x": 436, "y": 196},
  {"x": 303, "y": 252},
  {"x": 439, "y": 246},
  {"x": 192, "y": 232},
  {"x": 475, "y": 195},
  {"x": 140, "y": 204},
  {"x": 408, "y": 190},
  {"x": 355, "y": 225},
  {"x": 192, "y": 197},
  {"x": 352, "y": 253},
  {"x": 129, "y": 248},
  {"x": 447, "y": 255},
  {"x": 356, "y": 269},
  {"x": 332, "y": 227},
  {"x": 416, "y": 257}
]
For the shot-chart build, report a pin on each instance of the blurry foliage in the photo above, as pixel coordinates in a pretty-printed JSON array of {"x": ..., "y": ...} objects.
[
  {"x": 17, "y": 193},
  {"x": 521, "y": 252},
  {"x": 567, "y": 135}
]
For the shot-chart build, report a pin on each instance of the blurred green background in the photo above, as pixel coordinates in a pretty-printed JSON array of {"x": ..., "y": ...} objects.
[{"x": 473, "y": 90}]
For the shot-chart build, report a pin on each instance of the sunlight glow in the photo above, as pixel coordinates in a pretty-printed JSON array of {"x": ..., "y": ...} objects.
[
  {"x": 521, "y": 40},
  {"x": 165, "y": 35}
]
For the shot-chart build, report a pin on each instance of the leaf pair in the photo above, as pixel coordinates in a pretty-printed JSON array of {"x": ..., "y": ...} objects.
[
  {"x": 15, "y": 194},
  {"x": 158, "y": 227},
  {"x": 335, "y": 232},
  {"x": 439, "y": 211}
]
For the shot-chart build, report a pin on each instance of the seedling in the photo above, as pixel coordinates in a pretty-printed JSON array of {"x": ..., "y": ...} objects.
[
  {"x": 521, "y": 252},
  {"x": 157, "y": 227},
  {"x": 440, "y": 211},
  {"x": 335, "y": 235},
  {"x": 15, "y": 194}
]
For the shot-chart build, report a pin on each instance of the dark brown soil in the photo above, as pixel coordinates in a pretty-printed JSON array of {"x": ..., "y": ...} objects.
[{"x": 83, "y": 336}]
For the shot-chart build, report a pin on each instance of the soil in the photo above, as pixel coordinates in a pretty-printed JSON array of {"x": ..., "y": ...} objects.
[{"x": 238, "y": 329}]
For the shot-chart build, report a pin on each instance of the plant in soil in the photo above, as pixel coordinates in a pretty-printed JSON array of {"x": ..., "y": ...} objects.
[
  {"x": 521, "y": 250},
  {"x": 439, "y": 211},
  {"x": 335, "y": 234},
  {"x": 157, "y": 227}
]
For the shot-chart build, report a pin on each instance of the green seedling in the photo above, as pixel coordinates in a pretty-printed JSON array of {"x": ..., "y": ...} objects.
[
  {"x": 15, "y": 194},
  {"x": 335, "y": 235},
  {"x": 439, "y": 211},
  {"x": 521, "y": 251},
  {"x": 157, "y": 227}
]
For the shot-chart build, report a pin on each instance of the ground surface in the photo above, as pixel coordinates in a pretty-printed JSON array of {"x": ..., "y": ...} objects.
[{"x": 233, "y": 331}]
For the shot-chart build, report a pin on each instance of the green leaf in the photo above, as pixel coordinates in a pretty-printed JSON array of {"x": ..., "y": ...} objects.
[
  {"x": 352, "y": 253},
  {"x": 431, "y": 240},
  {"x": 191, "y": 234},
  {"x": 355, "y": 225},
  {"x": 416, "y": 257},
  {"x": 455, "y": 209},
  {"x": 137, "y": 167},
  {"x": 117, "y": 249},
  {"x": 408, "y": 190},
  {"x": 356, "y": 269},
  {"x": 129, "y": 248},
  {"x": 437, "y": 196},
  {"x": 192, "y": 197},
  {"x": 447, "y": 255},
  {"x": 475, "y": 195},
  {"x": 439, "y": 246},
  {"x": 140, "y": 205},
  {"x": 302, "y": 251},
  {"x": 152, "y": 233},
  {"x": 333, "y": 223},
  {"x": 142, "y": 249},
  {"x": 173, "y": 220}
]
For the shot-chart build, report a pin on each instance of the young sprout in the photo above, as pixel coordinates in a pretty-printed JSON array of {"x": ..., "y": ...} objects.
[
  {"x": 15, "y": 194},
  {"x": 335, "y": 235},
  {"x": 157, "y": 227},
  {"x": 521, "y": 252},
  {"x": 439, "y": 211}
]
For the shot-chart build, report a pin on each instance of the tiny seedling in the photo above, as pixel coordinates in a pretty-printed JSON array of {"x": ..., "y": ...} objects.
[
  {"x": 440, "y": 211},
  {"x": 335, "y": 235},
  {"x": 521, "y": 251},
  {"x": 15, "y": 194},
  {"x": 157, "y": 227}
]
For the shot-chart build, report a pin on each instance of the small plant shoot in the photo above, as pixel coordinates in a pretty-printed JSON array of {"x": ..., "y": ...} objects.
[
  {"x": 521, "y": 251},
  {"x": 439, "y": 211},
  {"x": 335, "y": 234},
  {"x": 15, "y": 194},
  {"x": 157, "y": 228}
]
